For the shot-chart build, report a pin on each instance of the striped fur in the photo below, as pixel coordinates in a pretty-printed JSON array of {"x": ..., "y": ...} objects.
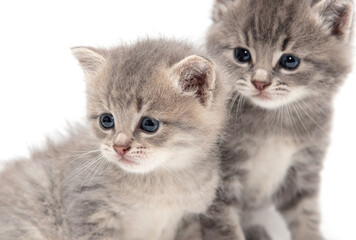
[
  {"x": 274, "y": 147},
  {"x": 78, "y": 190}
]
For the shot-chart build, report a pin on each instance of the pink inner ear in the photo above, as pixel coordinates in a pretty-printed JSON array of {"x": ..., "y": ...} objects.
[
  {"x": 196, "y": 75},
  {"x": 196, "y": 83},
  {"x": 340, "y": 23}
]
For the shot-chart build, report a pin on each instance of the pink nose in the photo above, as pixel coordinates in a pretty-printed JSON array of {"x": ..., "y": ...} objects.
[
  {"x": 121, "y": 150},
  {"x": 260, "y": 85}
]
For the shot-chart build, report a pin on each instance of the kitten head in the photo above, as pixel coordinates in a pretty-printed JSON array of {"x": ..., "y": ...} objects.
[
  {"x": 151, "y": 105},
  {"x": 275, "y": 52}
]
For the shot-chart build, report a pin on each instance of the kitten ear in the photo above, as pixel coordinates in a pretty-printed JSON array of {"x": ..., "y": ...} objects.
[
  {"x": 196, "y": 75},
  {"x": 90, "y": 59},
  {"x": 336, "y": 15},
  {"x": 220, "y": 9}
]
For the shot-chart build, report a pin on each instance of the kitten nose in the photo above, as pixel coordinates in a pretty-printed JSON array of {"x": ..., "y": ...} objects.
[
  {"x": 121, "y": 150},
  {"x": 261, "y": 85}
]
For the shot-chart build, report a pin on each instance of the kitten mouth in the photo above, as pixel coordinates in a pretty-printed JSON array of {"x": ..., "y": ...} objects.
[
  {"x": 128, "y": 161},
  {"x": 262, "y": 95}
]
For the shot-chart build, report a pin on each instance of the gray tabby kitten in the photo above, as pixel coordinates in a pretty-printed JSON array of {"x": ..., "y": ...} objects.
[
  {"x": 145, "y": 160},
  {"x": 284, "y": 61}
]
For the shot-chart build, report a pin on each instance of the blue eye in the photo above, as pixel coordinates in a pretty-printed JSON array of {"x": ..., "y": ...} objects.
[
  {"x": 149, "y": 124},
  {"x": 107, "y": 121},
  {"x": 242, "y": 55},
  {"x": 289, "y": 62}
]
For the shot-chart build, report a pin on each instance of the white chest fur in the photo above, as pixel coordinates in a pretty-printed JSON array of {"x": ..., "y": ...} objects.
[
  {"x": 267, "y": 167},
  {"x": 150, "y": 224}
]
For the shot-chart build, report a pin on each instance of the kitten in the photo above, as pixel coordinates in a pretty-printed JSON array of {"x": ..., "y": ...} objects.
[
  {"x": 145, "y": 159},
  {"x": 284, "y": 61}
]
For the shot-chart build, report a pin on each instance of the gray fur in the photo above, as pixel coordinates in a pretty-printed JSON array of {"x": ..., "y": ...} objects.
[
  {"x": 79, "y": 188},
  {"x": 274, "y": 149}
]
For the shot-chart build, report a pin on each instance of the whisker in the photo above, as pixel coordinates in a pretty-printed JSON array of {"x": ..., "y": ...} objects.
[
  {"x": 233, "y": 102},
  {"x": 81, "y": 168},
  {"x": 311, "y": 118},
  {"x": 301, "y": 120},
  {"x": 175, "y": 175},
  {"x": 98, "y": 169},
  {"x": 293, "y": 123},
  {"x": 77, "y": 158},
  {"x": 274, "y": 114}
]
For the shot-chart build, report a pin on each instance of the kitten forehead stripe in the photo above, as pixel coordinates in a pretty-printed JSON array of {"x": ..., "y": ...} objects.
[
  {"x": 182, "y": 126},
  {"x": 285, "y": 43},
  {"x": 139, "y": 103},
  {"x": 247, "y": 38}
]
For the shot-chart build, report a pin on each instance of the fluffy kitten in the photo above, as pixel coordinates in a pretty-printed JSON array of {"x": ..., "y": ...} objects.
[
  {"x": 145, "y": 160},
  {"x": 284, "y": 61}
]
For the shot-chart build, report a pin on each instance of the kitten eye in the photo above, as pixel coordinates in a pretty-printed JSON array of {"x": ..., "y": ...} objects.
[
  {"x": 242, "y": 55},
  {"x": 107, "y": 121},
  {"x": 289, "y": 62},
  {"x": 149, "y": 124}
]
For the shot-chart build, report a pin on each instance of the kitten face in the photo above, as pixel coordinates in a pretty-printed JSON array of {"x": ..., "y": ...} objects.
[
  {"x": 140, "y": 112},
  {"x": 278, "y": 52},
  {"x": 134, "y": 148},
  {"x": 264, "y": 80}
]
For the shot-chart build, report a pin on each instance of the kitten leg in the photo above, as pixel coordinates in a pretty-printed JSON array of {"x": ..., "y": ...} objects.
[
  {"x": 256, "y": 232},
  {"x": 303, "y": 218},
  {"x": 190, "y": 229},
  {"x": 297, "y": 199},
  {"x": 222, "y": 223},
  {"x": 91, "y": 218}
]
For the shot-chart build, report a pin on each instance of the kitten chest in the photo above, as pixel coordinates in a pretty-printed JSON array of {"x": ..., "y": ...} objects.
[
  {"x": 266, "y": 167},
  {"x": 153, "y": 224}
]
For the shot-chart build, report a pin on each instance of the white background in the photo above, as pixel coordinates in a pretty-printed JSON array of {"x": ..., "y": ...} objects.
[{"x": 41, "y": 85}]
